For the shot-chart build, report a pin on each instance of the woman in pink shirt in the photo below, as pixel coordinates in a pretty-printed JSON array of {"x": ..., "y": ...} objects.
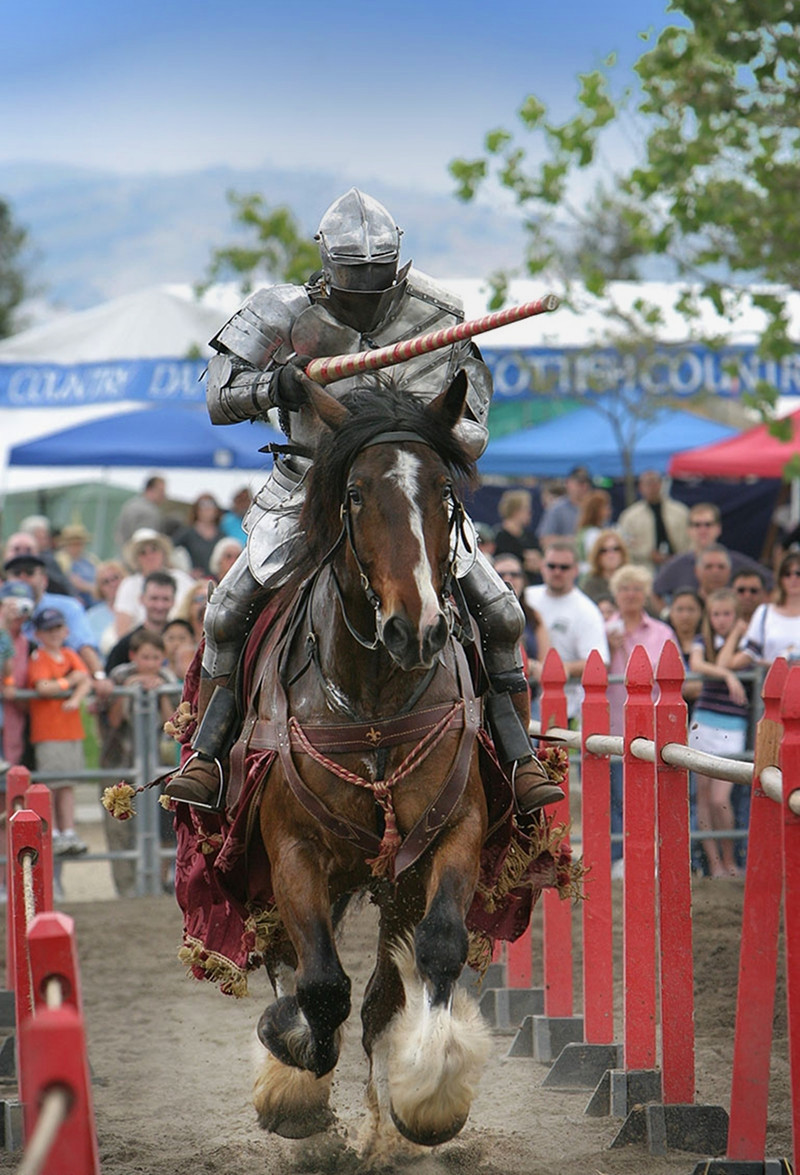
[{"x": 629, "y": 626}]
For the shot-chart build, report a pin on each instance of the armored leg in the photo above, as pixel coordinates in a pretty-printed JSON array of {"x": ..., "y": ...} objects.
[
  {"x": 201, "y": 780},
  {"x": 501, "y": 624}
]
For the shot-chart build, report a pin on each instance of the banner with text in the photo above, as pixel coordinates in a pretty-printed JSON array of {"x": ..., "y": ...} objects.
[{"x": 674, "y": 372}]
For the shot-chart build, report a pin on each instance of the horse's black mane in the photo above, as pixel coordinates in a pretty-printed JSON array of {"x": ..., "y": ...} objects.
[{"x": 373, "y": 410}]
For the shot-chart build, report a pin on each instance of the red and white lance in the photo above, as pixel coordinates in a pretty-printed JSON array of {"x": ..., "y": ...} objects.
[{"x": 326, "y": 371}]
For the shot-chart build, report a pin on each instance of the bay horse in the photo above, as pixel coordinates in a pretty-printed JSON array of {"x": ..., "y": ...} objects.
[{"x": 366, "y": 697}]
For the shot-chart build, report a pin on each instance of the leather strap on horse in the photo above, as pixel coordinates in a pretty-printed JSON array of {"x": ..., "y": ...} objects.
[
  {"x": 285, "y": 735},
  {"x": 354, "y": 736},
  {"x": 439, "y": 811}
]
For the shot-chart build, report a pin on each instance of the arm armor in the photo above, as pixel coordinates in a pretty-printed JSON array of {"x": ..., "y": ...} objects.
[
  {"x": 250, "y": 345},
  {"x": 235, "y": 392},
  {"x": 474, "y": 433}
]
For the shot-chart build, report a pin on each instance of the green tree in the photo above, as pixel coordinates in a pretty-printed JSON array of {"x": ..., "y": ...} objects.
[
  {"x": 713, "y": 188},
  {"x": 279, "y": 252},
  {"x": 13, "y": 281}
]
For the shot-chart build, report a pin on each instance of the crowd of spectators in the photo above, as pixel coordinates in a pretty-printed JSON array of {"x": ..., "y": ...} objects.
[
  {"x": 657, "y": 573},
  {"x": 73, "y": 625},
  {"x": 74, "y": 628}
]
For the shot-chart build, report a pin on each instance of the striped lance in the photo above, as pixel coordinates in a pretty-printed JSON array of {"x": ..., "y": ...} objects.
[{"x": 326, "y": 371}]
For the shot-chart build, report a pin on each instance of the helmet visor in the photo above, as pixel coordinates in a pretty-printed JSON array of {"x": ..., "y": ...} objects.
[{"x": 366, "y": 277}]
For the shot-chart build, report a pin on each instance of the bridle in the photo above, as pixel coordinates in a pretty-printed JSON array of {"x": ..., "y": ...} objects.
[
  {"x": 455, "y": 528},
  {"x": 301, "y": 613}
]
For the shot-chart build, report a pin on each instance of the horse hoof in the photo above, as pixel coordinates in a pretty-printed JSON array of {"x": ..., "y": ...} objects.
[
  {"x": 427, "y": 1136},
  {"x": 289, "y": 1101},
  {"x": 301, "y": 1125}
]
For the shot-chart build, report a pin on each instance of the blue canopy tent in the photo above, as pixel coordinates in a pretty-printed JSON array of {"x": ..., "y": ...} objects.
[
  {"x": 586, "y": 437},
  {"x": 168, "y": 436}
]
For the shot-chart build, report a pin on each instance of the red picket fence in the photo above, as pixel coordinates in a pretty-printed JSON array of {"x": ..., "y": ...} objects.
[
  {"x": 52, "y": 1064},
  {"x": 657, "y": 897}
]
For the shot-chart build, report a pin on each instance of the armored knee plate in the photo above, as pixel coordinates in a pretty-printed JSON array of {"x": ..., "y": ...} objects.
[
  {"x": 227, "y": 619},
  {"x": 499, "y": 616}
]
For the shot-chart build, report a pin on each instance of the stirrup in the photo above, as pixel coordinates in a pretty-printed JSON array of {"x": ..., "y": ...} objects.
[
  {"x": 544, "y": 793},
  {"x": 216, "y": 805}
]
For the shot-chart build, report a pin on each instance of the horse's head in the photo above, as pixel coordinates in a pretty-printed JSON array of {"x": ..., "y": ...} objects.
[{"x": 389, "y": 465}]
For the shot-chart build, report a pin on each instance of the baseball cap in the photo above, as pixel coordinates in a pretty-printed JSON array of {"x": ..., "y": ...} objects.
[
  {"x": 48, "y": 618},
  {"x": 24, "y": 562},
  {"x": 16, "y": 590}
]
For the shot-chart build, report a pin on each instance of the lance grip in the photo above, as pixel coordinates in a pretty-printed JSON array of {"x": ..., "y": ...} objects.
[{"x": 335, "y": 367}]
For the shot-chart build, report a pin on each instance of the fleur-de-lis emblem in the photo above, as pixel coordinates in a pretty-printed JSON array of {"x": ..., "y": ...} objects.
[{"x": 374, "y": 736}]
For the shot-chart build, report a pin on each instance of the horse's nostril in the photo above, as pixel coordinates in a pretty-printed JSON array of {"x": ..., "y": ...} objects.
[
  {"x": 395, "y": 634},
  {"x": 435, "y": 638}
]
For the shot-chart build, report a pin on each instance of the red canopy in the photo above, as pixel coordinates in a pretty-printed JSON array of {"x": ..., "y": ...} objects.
[{"x": 754, "y": 453}]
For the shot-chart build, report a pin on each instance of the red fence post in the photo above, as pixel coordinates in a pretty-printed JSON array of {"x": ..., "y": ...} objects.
[
  {"x": 598, "y": 947},
  {"x": 519, "y": 961},
  {"x": 53, "y": 1048},
  {"x": 39, "y": 799},
  {"x": 18, "y": 780},
  {"x": 25, "y": 839},
  {"x": 557, "y": 914},
  {"x": 790, "y": 766},
  {"x": 758, "y": 957},
  {"x": 674, "y": 888},
  {"x": 638, "y": 819}
]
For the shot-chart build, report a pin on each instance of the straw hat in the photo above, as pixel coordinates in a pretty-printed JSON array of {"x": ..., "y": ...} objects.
[
  {"x": 141, "y": 537},
  {"x": 75, "y": 532}
]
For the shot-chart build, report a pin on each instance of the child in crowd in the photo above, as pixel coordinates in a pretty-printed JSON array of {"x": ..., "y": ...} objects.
[
  {"x": 719, "y": 727},
  {"x": 146, "y": 669},
  {"x": 180, "y": 646},
  {"x": 61, "y": 681}
]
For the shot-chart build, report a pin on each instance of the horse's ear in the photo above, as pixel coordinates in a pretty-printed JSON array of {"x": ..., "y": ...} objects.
[
  {"x": 327, "y": 408},
  {"x": 449, "y": 404}
]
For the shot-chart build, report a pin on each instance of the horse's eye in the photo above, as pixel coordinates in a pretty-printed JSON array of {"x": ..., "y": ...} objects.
[
  {"x": 447, "y": 492},
  {"x": 354, "y": 495}
]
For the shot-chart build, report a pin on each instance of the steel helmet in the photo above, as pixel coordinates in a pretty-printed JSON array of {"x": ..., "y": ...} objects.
[{"x": 359, "y": 244}]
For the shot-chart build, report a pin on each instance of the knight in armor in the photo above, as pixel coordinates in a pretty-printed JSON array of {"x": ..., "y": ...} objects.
[{"x": 359, "y": 300}]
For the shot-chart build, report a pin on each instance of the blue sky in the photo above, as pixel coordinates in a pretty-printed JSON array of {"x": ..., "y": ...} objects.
[{"x": 389, "y": 90}]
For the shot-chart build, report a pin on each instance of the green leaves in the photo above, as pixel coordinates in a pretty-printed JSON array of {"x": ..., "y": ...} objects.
[
  {"x": 714, "y": 185},
  {"x": 13, "y": 280},
  {"x": 279, "y": 253}
]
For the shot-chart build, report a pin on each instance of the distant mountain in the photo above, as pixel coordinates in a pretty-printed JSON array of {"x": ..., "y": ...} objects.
[{"x": 97, "y": 234}]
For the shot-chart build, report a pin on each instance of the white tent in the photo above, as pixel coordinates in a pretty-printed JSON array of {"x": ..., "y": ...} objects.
[{"x": 149, "y": 333}]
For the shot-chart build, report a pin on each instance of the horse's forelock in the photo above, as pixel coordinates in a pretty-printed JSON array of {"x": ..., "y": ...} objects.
[{"x": 374, "y": 409}]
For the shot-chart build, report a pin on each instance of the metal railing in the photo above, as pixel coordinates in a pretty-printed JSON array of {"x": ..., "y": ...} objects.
[{"x": 147, "y": 853}]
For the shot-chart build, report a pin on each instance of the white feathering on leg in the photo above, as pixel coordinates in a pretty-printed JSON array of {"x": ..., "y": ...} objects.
[{"x": 436, "y": 1055}]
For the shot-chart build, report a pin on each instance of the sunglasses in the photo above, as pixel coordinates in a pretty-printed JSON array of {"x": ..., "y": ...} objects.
[
  {"x": 109, "y": 579},
  {"x": 559, "y": 566},
  {"x": 746, "y": 591},
  {"x": 610, "y": 550}
]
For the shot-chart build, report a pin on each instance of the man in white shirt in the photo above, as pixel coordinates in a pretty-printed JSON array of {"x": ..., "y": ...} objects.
[{"x": 574, "y": 622}]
